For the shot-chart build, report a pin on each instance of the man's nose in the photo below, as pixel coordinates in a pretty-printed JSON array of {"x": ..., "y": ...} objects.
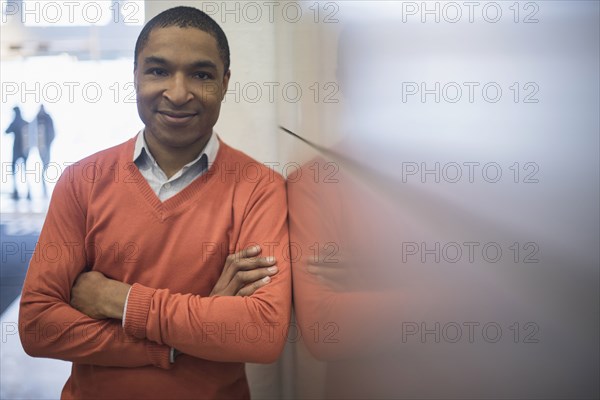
[{"x": 178, "y": 92}]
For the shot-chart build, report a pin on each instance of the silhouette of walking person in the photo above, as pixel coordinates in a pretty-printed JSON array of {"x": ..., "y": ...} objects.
[
  {"x": 20, "y": 128},
  {"x": 45, "y": 136}
]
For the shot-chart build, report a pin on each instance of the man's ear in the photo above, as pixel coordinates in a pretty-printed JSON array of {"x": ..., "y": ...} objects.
[
  {"x": 135, "y": 78},
  {"x": 225, "y": 83}
]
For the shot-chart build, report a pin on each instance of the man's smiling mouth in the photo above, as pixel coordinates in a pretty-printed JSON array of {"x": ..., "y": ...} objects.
[
  {"x": 177, "y": 114},
  {"x": 177, "y": 117}
]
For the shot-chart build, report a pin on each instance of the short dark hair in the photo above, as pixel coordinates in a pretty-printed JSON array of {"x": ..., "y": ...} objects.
[{"x": 185, "y": 17}]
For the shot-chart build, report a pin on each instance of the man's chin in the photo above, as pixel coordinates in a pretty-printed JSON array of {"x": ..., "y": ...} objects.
[{"x": 181, "y": 140}]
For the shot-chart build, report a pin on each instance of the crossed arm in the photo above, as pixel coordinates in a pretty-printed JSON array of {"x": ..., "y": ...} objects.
[
  {"x": 100, "y": 297},
  {"x": 73, "y": 315}
]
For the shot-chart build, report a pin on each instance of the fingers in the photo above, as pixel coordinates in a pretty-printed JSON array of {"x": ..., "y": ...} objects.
[
  {"x": 243, "y": 278},
  {"x": 249, "y": 289},
  {"x": 330, "y": 272},
  {"x": 248, "y": 264},
  {"x": 242, "y": 269},
  {"x": 251, "y": 251},
  {"x": 246, "y": 259}
]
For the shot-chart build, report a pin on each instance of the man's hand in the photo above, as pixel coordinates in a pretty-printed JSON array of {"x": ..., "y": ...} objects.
[
  {"x": 244, "y": 273},
  {"x": 98, "y": 296},
  {"x": 334, "y": 272}
]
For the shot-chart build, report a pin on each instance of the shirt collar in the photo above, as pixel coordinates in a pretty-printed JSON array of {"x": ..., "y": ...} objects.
[{"x": 141, "y": 150}]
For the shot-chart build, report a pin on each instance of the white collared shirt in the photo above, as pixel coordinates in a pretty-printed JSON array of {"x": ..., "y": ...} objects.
[{"x": 164, "y": 187}]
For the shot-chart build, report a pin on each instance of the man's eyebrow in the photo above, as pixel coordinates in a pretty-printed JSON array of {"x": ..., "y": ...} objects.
[
  {"x": 204, "y": 64},
  {"x": 194, "y": 65},
  {"x": 155, "y": 60}
]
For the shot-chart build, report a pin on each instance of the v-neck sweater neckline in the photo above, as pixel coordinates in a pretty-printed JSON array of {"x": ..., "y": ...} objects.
[{"x": 138, "y": 184}]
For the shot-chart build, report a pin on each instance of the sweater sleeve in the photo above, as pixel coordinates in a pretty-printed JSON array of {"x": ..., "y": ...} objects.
[
  {"x": 227, "y": 328},
  {"x": 48, "y": 325}
]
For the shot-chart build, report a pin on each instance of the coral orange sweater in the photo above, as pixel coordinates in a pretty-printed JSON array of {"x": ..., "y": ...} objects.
[{"x": 103, "y": 216}]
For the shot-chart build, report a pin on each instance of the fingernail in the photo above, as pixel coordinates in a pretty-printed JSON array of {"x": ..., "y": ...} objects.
[
  {"x": 270, "y": 259},
  {"x": 256, "y": 248},
  {"x": 272, "y": 269},
  {"x": 266, "y": 279}
]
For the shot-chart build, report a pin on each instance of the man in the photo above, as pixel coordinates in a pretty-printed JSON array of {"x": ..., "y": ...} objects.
[
  {"x": 45, "y": 136},
  {"x": 147, "y": 273},
  {"x": 20, "y": 128}
]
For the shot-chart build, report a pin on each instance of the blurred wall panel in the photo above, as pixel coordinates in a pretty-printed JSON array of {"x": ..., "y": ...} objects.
[{"x": 445, "y": 214}]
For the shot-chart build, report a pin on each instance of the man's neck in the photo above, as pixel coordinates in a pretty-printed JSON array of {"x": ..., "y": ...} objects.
[{"x": 172, "y": 159}]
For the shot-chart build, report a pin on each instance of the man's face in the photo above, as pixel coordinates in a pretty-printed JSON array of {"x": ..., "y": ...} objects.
[{"x": 180, "y": 83}]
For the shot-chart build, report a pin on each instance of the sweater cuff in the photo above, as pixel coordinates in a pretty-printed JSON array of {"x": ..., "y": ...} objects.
[
  {"x": 138, "y": 306},
  {"x": 159, "y": 355}
]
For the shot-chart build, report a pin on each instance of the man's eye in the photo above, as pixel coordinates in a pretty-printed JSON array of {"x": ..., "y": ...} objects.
[
  {"x": 202, "y": 75},
  {"x": 156, "y": 72}
]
